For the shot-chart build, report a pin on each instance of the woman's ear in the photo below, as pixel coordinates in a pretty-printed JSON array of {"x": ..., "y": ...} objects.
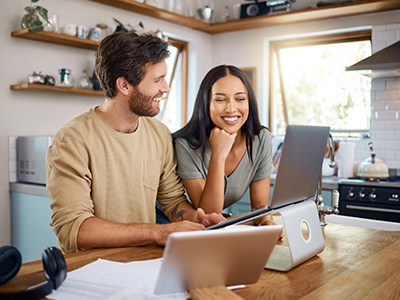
[{"x": 123, "y": 86}]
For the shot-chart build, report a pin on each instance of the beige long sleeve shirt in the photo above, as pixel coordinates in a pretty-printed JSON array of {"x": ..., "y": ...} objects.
[{"x": 93, "y": 170}]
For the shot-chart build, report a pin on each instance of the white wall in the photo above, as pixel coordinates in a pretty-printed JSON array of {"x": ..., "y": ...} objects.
[
  {"x": 250, "y": 48},
  {"x": 29, "y": 113}
]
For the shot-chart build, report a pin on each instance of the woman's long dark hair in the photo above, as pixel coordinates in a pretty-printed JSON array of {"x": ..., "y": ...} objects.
[{"x": 198, "y": 129}]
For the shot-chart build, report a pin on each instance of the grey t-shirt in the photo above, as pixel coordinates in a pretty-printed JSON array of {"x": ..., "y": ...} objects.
[{"x": 191, "y": 165}]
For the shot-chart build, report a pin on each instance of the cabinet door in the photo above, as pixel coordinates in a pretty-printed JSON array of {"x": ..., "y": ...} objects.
[{"x": 31, "y": 232}]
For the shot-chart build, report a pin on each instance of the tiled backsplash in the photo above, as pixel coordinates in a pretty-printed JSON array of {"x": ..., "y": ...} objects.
[{"x": 385, "y": 98}]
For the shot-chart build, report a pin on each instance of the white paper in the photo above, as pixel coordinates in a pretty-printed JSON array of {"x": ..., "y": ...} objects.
[{"x": 105, "y": 279}]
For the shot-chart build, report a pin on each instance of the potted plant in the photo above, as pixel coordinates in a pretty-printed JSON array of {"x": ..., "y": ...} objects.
[{"x": 32, "y": 18}]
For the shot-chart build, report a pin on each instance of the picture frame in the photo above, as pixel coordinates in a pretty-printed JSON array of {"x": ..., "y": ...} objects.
[{"x": 252, "y": 73}]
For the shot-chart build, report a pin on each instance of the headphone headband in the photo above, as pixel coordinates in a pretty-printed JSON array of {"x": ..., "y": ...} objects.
[{"x": 54, "y": 267}]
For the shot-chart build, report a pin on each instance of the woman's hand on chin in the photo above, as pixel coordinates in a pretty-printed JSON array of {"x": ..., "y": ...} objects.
[{"x": 221, "y": 142}]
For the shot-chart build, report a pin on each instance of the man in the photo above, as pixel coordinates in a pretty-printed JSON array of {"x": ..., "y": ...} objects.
[{"x": 107, "y": 167}]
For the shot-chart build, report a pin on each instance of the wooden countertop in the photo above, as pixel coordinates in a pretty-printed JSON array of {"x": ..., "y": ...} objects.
[{"x": 357, "y": 263}]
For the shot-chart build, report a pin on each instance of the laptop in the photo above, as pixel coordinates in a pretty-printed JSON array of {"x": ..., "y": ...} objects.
[
  {"x": 230, "y": 256},
  {"x": 299, "y": 170}
]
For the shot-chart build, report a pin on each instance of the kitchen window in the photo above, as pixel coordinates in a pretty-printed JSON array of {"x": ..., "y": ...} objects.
[
  {"x": 173, "y": 105},
  {"x": 309, "y": 85}
]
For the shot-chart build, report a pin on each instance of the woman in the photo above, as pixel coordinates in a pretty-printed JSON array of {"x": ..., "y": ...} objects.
[{"x": 223, "y": 149}]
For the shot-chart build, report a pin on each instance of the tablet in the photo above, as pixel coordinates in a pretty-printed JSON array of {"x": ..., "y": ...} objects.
[{"x": 230, "y": 256}]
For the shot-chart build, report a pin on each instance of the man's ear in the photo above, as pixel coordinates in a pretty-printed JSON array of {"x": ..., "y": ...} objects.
[{"x": 123, "y": 86}]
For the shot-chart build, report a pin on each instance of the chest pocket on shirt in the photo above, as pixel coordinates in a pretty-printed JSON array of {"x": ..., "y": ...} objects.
[{"x": 151, "y": 174}]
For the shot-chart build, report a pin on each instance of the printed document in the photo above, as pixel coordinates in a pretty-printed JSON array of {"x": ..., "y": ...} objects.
[{"x": 105, "y": 279}]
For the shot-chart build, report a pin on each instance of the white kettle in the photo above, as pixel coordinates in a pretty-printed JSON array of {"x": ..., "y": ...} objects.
[{"x": 372, "y": 167}]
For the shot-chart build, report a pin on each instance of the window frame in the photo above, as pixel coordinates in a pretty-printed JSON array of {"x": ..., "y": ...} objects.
[
  {"x": 182, "y": 47},
  {"x": 275, "y": 46}
]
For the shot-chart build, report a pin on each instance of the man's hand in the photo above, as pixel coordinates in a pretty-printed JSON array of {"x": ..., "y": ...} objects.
[
  {"x": 200, "y": 221},
  {"x": 208, "y": 219},
  {"x": 166, "y": 229}
]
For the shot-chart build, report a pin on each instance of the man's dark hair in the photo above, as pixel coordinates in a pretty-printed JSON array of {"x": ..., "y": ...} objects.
[{"x": 126, "y": 55}]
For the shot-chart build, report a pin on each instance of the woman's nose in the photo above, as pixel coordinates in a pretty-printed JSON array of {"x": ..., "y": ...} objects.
[{"x": 230, "y": 106}]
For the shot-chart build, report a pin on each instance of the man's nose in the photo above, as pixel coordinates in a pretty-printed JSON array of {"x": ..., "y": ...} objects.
[{"x": 165, "y": 87}]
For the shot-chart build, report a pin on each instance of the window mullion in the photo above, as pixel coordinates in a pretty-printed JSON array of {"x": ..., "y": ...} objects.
[
  {"x": 170, "y": 82},
  {"x": 282, "y": 86}
]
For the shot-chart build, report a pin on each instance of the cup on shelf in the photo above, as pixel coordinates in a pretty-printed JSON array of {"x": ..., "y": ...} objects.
[
  {"x": 236, "y": 11},
  {"x": 84, "y": 82},
  {"x": 70, "y": 29},
  {"x": 82, "y": 32},
  {"x": 65, "y": 78},
  {"x": 95, "y": 34},
  {"x": 104, "y": 30},
  {"x": 53, "y": 19}
]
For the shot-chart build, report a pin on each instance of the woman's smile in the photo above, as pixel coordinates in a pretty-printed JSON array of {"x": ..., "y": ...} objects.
[{"x": 231, "y": 120}]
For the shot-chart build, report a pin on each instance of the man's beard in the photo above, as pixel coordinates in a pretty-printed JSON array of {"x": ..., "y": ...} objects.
[{"x": 142, "y": 105}]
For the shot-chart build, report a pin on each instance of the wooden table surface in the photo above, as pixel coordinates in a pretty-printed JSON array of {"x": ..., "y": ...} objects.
[{"x": 357, "y": 263}]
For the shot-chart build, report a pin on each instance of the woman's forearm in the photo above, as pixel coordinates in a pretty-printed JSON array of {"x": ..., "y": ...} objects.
[{"x": 212, "y": 197}]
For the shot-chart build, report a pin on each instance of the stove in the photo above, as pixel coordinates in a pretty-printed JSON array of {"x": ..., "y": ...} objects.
[{"x": 370, "y": 199}]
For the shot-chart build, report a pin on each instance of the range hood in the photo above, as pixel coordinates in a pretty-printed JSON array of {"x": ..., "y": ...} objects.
[{"x": 384, "y": 63}]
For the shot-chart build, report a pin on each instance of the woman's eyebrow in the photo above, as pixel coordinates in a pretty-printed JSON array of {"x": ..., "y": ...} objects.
[
  {"x": 223, "y": 94},
  {"x": 219, "y": 94}
]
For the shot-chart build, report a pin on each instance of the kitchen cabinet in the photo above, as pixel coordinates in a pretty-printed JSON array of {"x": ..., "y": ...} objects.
[
  {"x": 60, "y": 39},
  {"x": 30, "y": 220},
  {"x": 310, "y": 14}
]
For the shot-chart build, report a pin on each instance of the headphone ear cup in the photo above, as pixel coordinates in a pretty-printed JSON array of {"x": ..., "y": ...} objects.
[
  {"x": 10, "y": 263},
  {"x": 54, "y": 266}
]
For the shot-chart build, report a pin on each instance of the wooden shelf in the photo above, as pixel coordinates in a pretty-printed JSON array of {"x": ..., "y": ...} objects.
[
  {"x": 56, "y": 89},
  {"x": 151, "y": 11},
  {"x": 310, "y": 14},
  {"x": 56, "y": 38},
  {"x": 324, "y": 12}
]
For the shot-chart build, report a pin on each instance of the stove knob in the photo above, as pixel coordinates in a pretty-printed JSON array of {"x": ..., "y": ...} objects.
[
  {"x": 372, "y": 197},
  {"x": 361, "y": 194},
  {"x": 350, "y": 195}
]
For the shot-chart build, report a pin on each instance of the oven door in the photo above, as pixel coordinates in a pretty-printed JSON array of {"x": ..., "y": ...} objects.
[{"x": 370, "y": 202}]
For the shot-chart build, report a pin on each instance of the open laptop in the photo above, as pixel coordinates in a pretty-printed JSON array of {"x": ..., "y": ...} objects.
[
  {"x": 298, "y": 173},
  {"x": 201, "y": 259}
]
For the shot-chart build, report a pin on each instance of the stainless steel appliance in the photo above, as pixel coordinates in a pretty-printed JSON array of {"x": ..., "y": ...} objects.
[
  {"x": 371, "y": 199},
  {"x": 31, "y": 156}
]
